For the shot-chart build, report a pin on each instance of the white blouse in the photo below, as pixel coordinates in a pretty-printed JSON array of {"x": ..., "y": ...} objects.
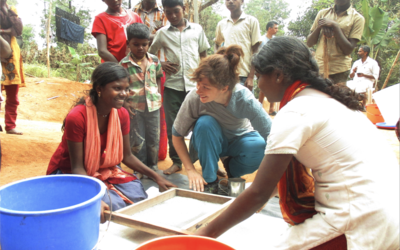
[{"x": 356, "y": 173}]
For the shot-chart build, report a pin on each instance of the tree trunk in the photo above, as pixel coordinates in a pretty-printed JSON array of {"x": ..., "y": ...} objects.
[
  {"x": 196, "y": 11},
  {"x": 391, "y": 69},
  {"x": 207, "y": 4},
  {"x": 48, "y": 39}
]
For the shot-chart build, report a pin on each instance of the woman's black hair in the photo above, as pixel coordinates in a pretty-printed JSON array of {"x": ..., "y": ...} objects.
[
  {"x": 104, "y": 74},
  {"x": 294, "y": 59},
  {"x": 138, "y": 30}
]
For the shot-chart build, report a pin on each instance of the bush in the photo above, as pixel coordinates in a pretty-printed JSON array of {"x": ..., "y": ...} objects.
[{"x": 35, "y": 61}]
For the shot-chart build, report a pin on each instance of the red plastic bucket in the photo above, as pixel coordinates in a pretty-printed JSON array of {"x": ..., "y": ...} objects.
[
  {"x": 374, "y": 114},
  {"x": 184, "y": 242}
]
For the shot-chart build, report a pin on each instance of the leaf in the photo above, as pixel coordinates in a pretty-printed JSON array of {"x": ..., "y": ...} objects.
[
  {"x": 388, "y": 35},
  {"x": 365, "y": 10},
  {"x": 379, "y": 36},
  {"x": 377, "y": 15},
  {"x": 84, "y": 64},
  {"x": 72, "y": 51}
]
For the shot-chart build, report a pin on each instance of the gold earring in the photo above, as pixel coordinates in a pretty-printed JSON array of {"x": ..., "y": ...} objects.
[
  {"x": 277, "y": 80},
  {"x": 99, "y": 94}
]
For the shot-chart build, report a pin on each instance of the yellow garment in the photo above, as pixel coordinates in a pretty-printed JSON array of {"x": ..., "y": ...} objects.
[{"x": 13, "y": 71}]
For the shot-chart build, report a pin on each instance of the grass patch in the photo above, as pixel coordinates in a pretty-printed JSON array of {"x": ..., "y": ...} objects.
[{"x": 41, "y": 71}]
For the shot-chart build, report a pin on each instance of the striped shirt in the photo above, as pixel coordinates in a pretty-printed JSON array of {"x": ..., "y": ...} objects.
[
  {"x": 143, "y": 86},
  {"x": 154, "y": 19}
]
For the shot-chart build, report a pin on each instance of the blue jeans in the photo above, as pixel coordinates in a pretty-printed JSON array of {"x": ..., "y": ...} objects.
[
  {"x": 145, "y": 136},
  {"x": 208, "y": 140}
]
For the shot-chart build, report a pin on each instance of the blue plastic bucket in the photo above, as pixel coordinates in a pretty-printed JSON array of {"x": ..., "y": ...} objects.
[{"x": 51, "y": 212}]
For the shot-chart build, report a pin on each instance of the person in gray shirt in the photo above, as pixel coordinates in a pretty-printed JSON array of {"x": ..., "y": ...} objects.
[{"x": 226, "y": 120}]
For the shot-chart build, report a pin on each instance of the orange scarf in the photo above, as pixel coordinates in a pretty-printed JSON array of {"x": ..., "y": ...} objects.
[
  {"x": 103, "y": 166},
  {"x": 296, "y": 187}
]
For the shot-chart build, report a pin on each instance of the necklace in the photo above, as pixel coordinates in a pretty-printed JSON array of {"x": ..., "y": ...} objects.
[
  {"x": 102, "y": 115},
  {"x": 138, "y": 61}
]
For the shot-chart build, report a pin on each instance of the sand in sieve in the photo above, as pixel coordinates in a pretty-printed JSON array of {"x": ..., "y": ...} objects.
[{"x": 176, "y": 212}]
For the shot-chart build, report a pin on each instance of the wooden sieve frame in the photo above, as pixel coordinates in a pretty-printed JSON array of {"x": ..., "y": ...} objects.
[{"x": 123, "y": 216}]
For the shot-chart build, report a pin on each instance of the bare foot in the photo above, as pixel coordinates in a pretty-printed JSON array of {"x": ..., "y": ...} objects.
[
  {"x": 221, "y": 172},
  {"x": 173, "y": 169},
  {"x": 14, "y": 132}
]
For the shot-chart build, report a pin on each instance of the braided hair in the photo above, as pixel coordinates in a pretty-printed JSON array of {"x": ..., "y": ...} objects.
[{"x": 294, "y": 59}]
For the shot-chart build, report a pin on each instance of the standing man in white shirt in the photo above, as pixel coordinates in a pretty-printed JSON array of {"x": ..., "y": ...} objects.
[
  {"x": 365, "y": 72},
  {"x": 272, "y": 29},
  {"x": 241, "y": 29}
]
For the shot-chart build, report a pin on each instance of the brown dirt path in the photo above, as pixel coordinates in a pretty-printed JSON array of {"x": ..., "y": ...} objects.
[{"x": 40, "y": 120}]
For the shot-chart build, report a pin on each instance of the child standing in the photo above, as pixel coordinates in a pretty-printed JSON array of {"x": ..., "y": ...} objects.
[
  {"x": 184, "y": 44},
  {"x": 144, "y": 100},
  {"x": 109, "y": 29}
]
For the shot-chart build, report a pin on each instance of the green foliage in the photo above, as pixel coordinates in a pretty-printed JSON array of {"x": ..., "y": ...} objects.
[
  {"x": 209, "y": 19},
  {"x": 28, "y": 33},
  {"x": 381, "y": 34},
  {"x": 40, "y": 70},
  {"x": 376, "y": 27},
  {"x": 302, "y": 25},
  {"x": 268, "y": 10},
  {"x": 385, "y": 60},
  {"x": 12, "y": 2},
  {"x": 78, "y": 65}
]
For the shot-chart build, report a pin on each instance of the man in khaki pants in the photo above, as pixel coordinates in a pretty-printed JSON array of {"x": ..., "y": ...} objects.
[{"x": 343, "y": 27}]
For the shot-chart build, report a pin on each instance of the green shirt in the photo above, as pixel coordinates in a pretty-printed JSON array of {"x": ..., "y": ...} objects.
[{"x": 143, "y": 86}]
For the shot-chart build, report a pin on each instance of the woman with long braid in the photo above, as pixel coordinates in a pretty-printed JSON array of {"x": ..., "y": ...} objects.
[{"x": 319, "y": 127}]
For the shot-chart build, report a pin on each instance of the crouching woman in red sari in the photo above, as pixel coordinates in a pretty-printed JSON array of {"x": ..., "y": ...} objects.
[{"x": 96, "y": 140}]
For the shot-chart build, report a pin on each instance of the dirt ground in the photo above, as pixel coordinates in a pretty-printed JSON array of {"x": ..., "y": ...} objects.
[{"x": 40, "y": 119}]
